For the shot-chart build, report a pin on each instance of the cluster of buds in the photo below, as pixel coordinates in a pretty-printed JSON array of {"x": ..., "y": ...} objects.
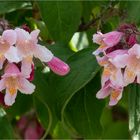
[
  {"x": 119, "y": 54},
  {"x": 18, "y": 47}
]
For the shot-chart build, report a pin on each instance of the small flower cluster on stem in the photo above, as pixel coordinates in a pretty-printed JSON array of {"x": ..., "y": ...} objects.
[
  {"x": 119, "y": 54},
  {"x": 18, "y": 47}
]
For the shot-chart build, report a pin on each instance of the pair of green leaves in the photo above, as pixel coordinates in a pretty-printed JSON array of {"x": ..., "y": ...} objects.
[{"x": 71, "y": 99}]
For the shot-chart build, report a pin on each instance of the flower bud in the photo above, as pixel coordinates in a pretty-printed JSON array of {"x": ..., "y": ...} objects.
[
  {"x": 132, "y": 40},
  {"x": 58, "y": 66}
]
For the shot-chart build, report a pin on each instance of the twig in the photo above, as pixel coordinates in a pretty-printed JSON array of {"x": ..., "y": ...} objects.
[{"x": 84, "y": 27}]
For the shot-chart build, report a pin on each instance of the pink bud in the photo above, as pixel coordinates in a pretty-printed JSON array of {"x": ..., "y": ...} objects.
[
  {"x": 30, "y": 133},
  {"x": 26, "y": 28},
  {"x": 58, "y": 66},
  {"x": 132, "y": 40},
  {"x": 34, "y": 130},
  {"x": 22, "y": 123}
]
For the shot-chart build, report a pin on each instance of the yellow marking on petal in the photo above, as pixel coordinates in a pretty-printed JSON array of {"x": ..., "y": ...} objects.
[
  {"x": 114, "y": 76},
  {"x": 12, "y": 84},
  {"x": 130, "y": 73},
  {"x": 29, "y": 59},
  {"x": 115, "y": 94},
  {"x": 106, "y": 72},
  {"x": 102, "y": 46},
  {"x": 12, "y": 91},
  {"x": 1, "y": 56},
  {"x": 103, "y": 62}
]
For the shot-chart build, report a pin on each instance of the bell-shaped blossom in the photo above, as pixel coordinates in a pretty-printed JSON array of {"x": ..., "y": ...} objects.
[
  {"x": 58, "y": 66},
  {"x": 132, "y": 63},
  {"x": 108, "y": 89},
  {"x": 112, "y": 80},
  {"x": 111, "y": 72},
  {"x": 13, "y": 80},
  {"x": 27, "y": 48},
  {"x": 7, "y": 50},
  {"x": 106, "y": 41}
]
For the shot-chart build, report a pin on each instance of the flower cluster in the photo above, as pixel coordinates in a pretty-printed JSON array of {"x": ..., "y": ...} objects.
[
  {"x": 119, "y": 54},
  {"x": 18, "y": 47}
]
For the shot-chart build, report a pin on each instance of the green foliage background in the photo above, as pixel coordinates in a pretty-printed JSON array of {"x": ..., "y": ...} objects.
[{"x": 66, "y": 106}]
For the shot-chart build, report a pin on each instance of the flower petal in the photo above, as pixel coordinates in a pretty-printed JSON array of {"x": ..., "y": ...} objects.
[
  {"x": 103, "y": 61},
  {"x": 2, "y": 59},
  {"x": 135, "y": 50},
  {"x": 104, "y": 91},
  {"x": 34, "y": 34},
  {"x": 116, "y": 95},
  {"x": 9, "y": 99},
  {"x": 11, "y": 70},
  {"x": 129, "y": 76},
  {"x": 138, "y": 78},
  {"x": 26, "y": 66},
  {"x": 116, "y": 78},
  {"x": 105, "y": 75},
  {"x": 97, "y": 51},
  {"x": 97, "y": 38},
  {"x": 25, "y": 86},
  {"x": 43, "y": 53},
  {"x": 2, "y": 84},
  {"x": 120, "y": 61},
  {"x": 112, "y": 38},
  {"x": 9, "y": 36},
  {"x": 22, "y": 35},
  {"x": 12, "y": 55}
]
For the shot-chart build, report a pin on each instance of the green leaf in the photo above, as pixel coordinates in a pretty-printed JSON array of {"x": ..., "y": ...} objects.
[
  {"x": 131, "y": 10},
  {"x": 43, "y": 113},
  {"x": 114, "y": 122},
  {"x": 134, "y": 111},
  {"x": 62, "y": 18},
  {"x": 83, "y": 68},
  {"x": 59, "y": 132},
  {"x": 84, "y": 110},
  {"x": 56, "y": 91},
  {"x": 87, "y": 9},
  {"x": 117, "y": 130},
  {"x": 44, "y": 106},
  {"x": 6, "y": 131},
  {"x": 9, "y": 6},
  {"x": 22, "y": 101},
  {"x": 61, "y": 50}
]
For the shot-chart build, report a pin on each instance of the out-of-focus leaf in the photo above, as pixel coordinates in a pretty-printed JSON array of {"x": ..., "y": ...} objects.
[
  {"x": 59, "y": 132},
  {"x": 84, "y": 110},
  {"x": 44, "y": 34},
  {"x": 134, "y": 111},
  {"x": 131, "y": 9},
  {"x": 117, "y": 130},
  {"x": 22, "y": 105},
  {"x": 62, "y": 18},
  {"x": 87, "y": 9},
  {"x": 9, "y": 6},
  {"x": 114, "y": 129},
  {"x": 6, "y": 131}
]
